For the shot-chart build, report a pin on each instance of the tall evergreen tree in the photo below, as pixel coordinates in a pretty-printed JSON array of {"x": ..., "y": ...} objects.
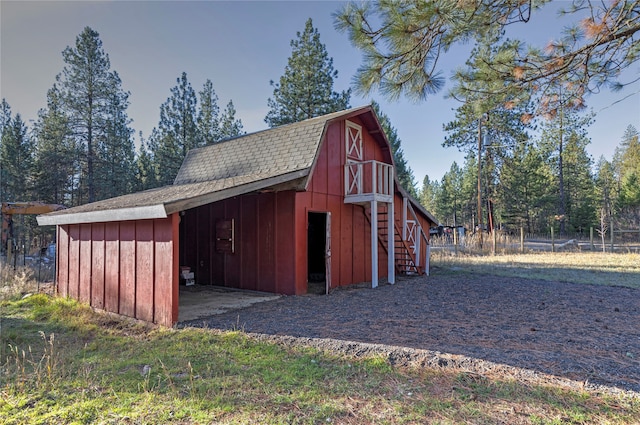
[
  {"x": 449, "y": 199},
  {"x": 403, "y": 171},
  {"x": 483, "y": 122},
  {"x": 564, "y": 126},
  {"x": 5, "y": 121},
  {"x": 55, "y": 144},
  {"x": 628, "y": 165},
  {"x": 115, "y": 150},
  {"x": 523, "y": 187},
  {"x": 208, "y": 115},
  {"x": 177, "y": 130},
  {"x": 229, "y": 125},
  {"x": 606, "y": 190},
  {"x": 146, "y": 176},
  {"x": 428, "y": 195},
  {"x": 16, "y": 155},
  {"x": 306, "y": 88},
  {"x": 5, "y": 115},
  {"x": 89, "y": 88},
  {"x": 628, "y": 153}
]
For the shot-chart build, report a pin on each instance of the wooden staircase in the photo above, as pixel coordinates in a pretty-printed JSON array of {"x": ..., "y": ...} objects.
[{"x": 404, "y": 258}]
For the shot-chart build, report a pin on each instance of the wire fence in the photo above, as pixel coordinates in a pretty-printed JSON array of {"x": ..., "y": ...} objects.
[{"x": 499, "y": 242}]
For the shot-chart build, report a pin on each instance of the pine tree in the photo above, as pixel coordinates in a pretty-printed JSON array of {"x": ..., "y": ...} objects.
[
  {"x": 429, "y": 194},
  {"x": 16, "y": 155},
  {"x": 177, "y": 131},
  {"x": 628, "y": 152},
  {"x": 208, "y": 120},
  {"x": 563, "y": 127},
  {"x": 403, "y": 41},
  {"x": 88, "y": 89},
  {"x": 146, "y": 176},
  {"x": 628, "y": 166},
  {"x": 115, "y": 151},
  {"x": 606, "y": 190},
  {"x": 306, "y": 88},
  {"x": 523, "y": 188},
  {"x": 5, "y": 115},
  {"x": 229, "y": 125},
  {"x": 5, "y": 121},
  {"x": 449, "y": 199},
  {"x": 404, "y": 173},
  {"x": 55, "y": 144}
]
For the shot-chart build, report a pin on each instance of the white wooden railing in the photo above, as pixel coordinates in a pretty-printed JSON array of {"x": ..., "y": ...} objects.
[
  {"x": 364, "y": 180},
  {"x": 412, "y": 231}
]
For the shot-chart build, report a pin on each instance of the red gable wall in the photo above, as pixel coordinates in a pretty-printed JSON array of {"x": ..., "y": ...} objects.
[{"x": 350, "y": 229}]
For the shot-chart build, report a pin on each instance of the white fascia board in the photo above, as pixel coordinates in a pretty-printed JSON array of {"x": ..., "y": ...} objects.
[{"x": 121, "y": 214}]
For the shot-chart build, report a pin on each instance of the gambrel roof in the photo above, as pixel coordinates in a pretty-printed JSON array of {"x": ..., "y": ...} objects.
[{"x": 276, "y": 158}]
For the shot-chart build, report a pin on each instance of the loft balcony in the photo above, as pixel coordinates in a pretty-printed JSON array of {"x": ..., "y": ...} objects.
[{"x": 366, "y": 181}]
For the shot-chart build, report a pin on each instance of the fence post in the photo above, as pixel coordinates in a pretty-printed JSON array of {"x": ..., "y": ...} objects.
[
  {"x": 455, "y": 240},
  {"x": 591, "y": 238},
  {"x": 611, "y": 226},
  {"x": 522, "y": 240},
  {"x": 553, "y": 242},
  {"x": 495, "y": 242}
]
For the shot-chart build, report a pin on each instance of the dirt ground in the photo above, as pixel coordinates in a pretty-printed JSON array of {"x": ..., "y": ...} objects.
[{"x": 586, "y": 335}]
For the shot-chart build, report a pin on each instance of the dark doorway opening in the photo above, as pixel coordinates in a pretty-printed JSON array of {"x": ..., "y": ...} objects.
[{"x": 317, "y": 251}]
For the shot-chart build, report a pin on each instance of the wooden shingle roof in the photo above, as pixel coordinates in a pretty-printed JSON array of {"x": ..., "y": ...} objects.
[{"x": 265, "y": 159}]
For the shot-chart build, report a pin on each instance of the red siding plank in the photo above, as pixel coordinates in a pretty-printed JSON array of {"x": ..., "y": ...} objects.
[
  {"x": 175, "y": 290},
  {"x": 217, "y": 259},
  {"x": 74, "y": 261},
  {"x": 97, "y": 265},
  {"x": 163, "y": 291},
  {"x": 112, "y": 267},
  {"x": 302, "y": 202},
  {"x": 266, "y": 242},
  {"x": 85, "y": 283},
  {"x": 335, "y": 206},
  {"x": 247, "y": 245},
  {"x": 361, "y": 256},
  {"x": 127, "y": 268},
  {"x": 285, "y": 241},
  {"x": 335, "y": 151},
  {"x": 204, "y": 242},
  {"x": 62, "y": 254},
  {"x": 144, "y": 270},
  {"x": 346, "y": 241},
  {"x": 233, "y": 262}
]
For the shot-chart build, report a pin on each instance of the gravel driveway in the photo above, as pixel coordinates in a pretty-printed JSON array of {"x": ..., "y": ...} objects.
[{"x": 589, "y": 335}]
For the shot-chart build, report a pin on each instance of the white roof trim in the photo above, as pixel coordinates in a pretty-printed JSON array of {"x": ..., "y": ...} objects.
[{"x": 120, "y": 214}]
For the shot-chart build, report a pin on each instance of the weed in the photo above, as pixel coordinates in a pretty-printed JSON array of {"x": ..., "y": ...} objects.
[{"x": 16, "y": 283}]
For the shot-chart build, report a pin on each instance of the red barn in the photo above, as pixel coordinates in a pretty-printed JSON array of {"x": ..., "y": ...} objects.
[{"x": 272, "y": 211}]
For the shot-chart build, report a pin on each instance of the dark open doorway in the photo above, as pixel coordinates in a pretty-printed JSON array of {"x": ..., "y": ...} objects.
[{"x": 318, "y": 253}]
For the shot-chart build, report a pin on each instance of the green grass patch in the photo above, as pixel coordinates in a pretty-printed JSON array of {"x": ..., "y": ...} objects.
[
  {"x": 62, "y": 363},
  {"x": 594, "y": 268}
]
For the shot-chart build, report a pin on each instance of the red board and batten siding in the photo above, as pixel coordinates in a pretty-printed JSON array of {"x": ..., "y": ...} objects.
[
  {"x": 126, "y": 267},
  {"x": 263, "y": 258},
  {"x": 350, "y": 231}
]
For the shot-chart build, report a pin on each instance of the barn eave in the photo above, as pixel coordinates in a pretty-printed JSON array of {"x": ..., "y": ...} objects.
[{"x": 170, "y": 204}]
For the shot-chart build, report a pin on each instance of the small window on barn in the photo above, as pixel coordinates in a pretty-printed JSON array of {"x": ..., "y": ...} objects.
[
  {"x": 225, "y": 236},
  {"x": 353, "y": 139}
]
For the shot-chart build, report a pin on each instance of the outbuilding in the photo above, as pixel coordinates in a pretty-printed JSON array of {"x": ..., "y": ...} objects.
[{"x": 280, "y": 210}]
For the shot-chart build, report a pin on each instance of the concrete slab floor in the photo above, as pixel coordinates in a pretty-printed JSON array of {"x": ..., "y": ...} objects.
[{"x": 199, "y": 301}]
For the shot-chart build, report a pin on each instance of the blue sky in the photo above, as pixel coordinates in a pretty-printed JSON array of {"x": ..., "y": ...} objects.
[{"x": 241, "y": 46}]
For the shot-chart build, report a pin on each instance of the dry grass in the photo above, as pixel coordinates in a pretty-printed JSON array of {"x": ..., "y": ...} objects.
[
  {"x": 95, "y": 371},
  {"x": 595, "y": 268},
  {"x": 16, "y": 282}
]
